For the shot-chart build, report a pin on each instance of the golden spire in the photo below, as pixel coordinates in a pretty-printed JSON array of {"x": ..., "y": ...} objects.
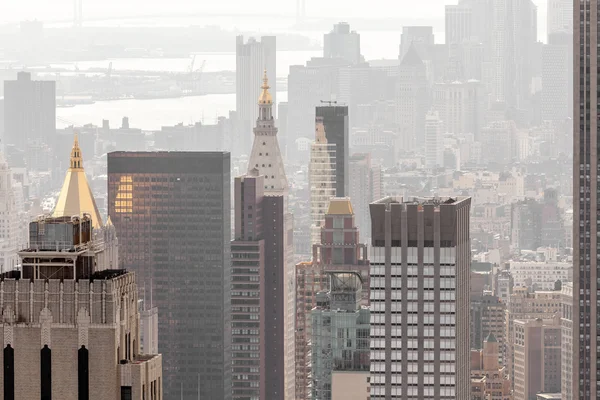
[
  {"x": 76, "y": 197},
  {"x": 76, "y": 160},
  {"x": 265, "y": 96}
]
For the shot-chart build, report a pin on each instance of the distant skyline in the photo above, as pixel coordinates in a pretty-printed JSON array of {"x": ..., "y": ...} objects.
[{"x": 63, "y": 9}]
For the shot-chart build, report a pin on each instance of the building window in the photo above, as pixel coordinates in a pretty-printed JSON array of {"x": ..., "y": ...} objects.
[
  {"x": 83, "y": 384},
  {"x": 46, "y": 373},
  {"x": 9, "y": 373},
  {"x": 126, "y": 393}
]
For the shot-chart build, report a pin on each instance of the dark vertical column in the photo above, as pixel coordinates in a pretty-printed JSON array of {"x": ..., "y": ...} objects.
[
  {"x": 83, "y": 376},
  {"x": 46, "y": 372},
  {"x": 9, "y": 373}
]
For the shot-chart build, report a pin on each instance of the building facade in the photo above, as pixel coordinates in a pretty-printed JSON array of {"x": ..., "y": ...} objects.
[
  {"x": 365, "y": 187},
  {"x": 488, "y": 377},
  {"x": 420, "y": 262},
  {"x": 566, "y": 324},
  {"x": 487, "y": 317},
  {"x": 12, "y": 218},
  {"x": 172, "y": 214},
  {"x": 342, "y": 43},
  {"x": 537, "y": 355}
]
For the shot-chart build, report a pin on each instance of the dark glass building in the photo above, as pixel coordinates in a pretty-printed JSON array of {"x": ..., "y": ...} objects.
[
  {"x": 171, "y": 211},
  {"x": 335, "y": 119}
]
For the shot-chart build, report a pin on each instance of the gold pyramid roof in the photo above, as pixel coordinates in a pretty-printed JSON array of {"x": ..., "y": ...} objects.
[{"x": 76, "y": 197}]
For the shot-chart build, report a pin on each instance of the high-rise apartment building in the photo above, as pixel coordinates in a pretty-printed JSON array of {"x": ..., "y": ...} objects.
[
  {"x": 537, "y": 356},
  {"x": 557, "y": 76},
  {"x": 29, "y": 111},
  {"x": 568, "y": 385},
  {"x": 559, "y": 16},
  {"x": 420, "y": 276},
  {"x": 12, "y": 218},
  {"x": 365, "y": 187},
  {"x": 340, "y": 332},
  {"x": 460, "y": 106},
  {"x": 339, "y": 250},
  {"x": 172, "y": 213},
  {"x": 252, "y": 58},
  {"x": 586, "y": 224},
  {"x": 269, "y": 219},
  {"x": 335, "y": 121},
  {"x": 321, "y": 178},
  {"x": 342, "y": 43}
]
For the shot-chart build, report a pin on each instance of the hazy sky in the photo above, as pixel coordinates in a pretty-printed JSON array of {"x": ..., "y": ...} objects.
[{"x": 16, "y": 10}]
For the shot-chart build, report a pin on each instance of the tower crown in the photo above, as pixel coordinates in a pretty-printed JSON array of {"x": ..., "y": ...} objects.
[
  {"x": 76, "y": 159},
  {"x": 265, "y": 96}
]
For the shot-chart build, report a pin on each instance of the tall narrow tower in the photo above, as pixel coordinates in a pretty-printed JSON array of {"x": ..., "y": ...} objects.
[
  {"x": 586, "y": 39},
  {"x": 77, "y": 13},
  {"x": 277, "y": 282}
]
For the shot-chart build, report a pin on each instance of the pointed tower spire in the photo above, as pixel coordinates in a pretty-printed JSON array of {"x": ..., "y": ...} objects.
[
  {"x": 76, "y": 160},
  {"x": 76, "y": 197},
  {"x": 265, "y": 96}
]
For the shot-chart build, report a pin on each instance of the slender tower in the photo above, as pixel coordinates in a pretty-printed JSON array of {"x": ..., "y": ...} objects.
[
  {"x": 585, "y": 200},
  {"x": 277, "y": 281}
]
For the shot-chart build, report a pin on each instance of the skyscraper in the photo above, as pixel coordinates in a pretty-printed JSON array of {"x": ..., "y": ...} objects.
[
  {"x": 335, "y": 121},
  {"x": 29, "y": 111},
  {"x": 342, "y": 43},
  {"x": 434, "y": 141},
  {"x": 321, "y": 178},
  {"x": 421, "y": 37},
  {"x": 172, "y": 213},
  {"x": 252, "y": 58},
  {"x": 276, "y": 280},
  {"x": 557, "y": 77},
  {"x": 365, "y": 188},
  {"x": 586, "y": 347},
  {"x": 420, "y": 277}
]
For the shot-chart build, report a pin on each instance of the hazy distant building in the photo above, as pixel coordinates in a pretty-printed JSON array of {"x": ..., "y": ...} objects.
[
  {"x": 29, "y": 111},
  {"x": 13, "y": 218},
  {"x": 365, "y": 187},
  {"x": 537, "y": 357},
  {"x": 335, "y": 121},
  {"x": 339, "y": 250},
  {"x": 557, "y": 76},
  {"x": 499, "y": 143},
  {"x": 566, "y": 323},
  {"x": 278, "y": 284},
  {"x": 321, "y": 179},
  {"x": 252, "y": 58},
  {"x": 172, "y": 213},
  {"x": 342, "y": 43},
  {"x": 459, "y": 23},
  {"x": 420, "y": 299},
  {"x": 541, "y": 275},
  {"x": 421, "y": 37},
  {"x": 460, "y": 106},
  {"x": 340, "y": 332},
  {"x": 411, "y": 100},
  {"x": 434, "y": 141},
  {"x": 559, "y": 16}
]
